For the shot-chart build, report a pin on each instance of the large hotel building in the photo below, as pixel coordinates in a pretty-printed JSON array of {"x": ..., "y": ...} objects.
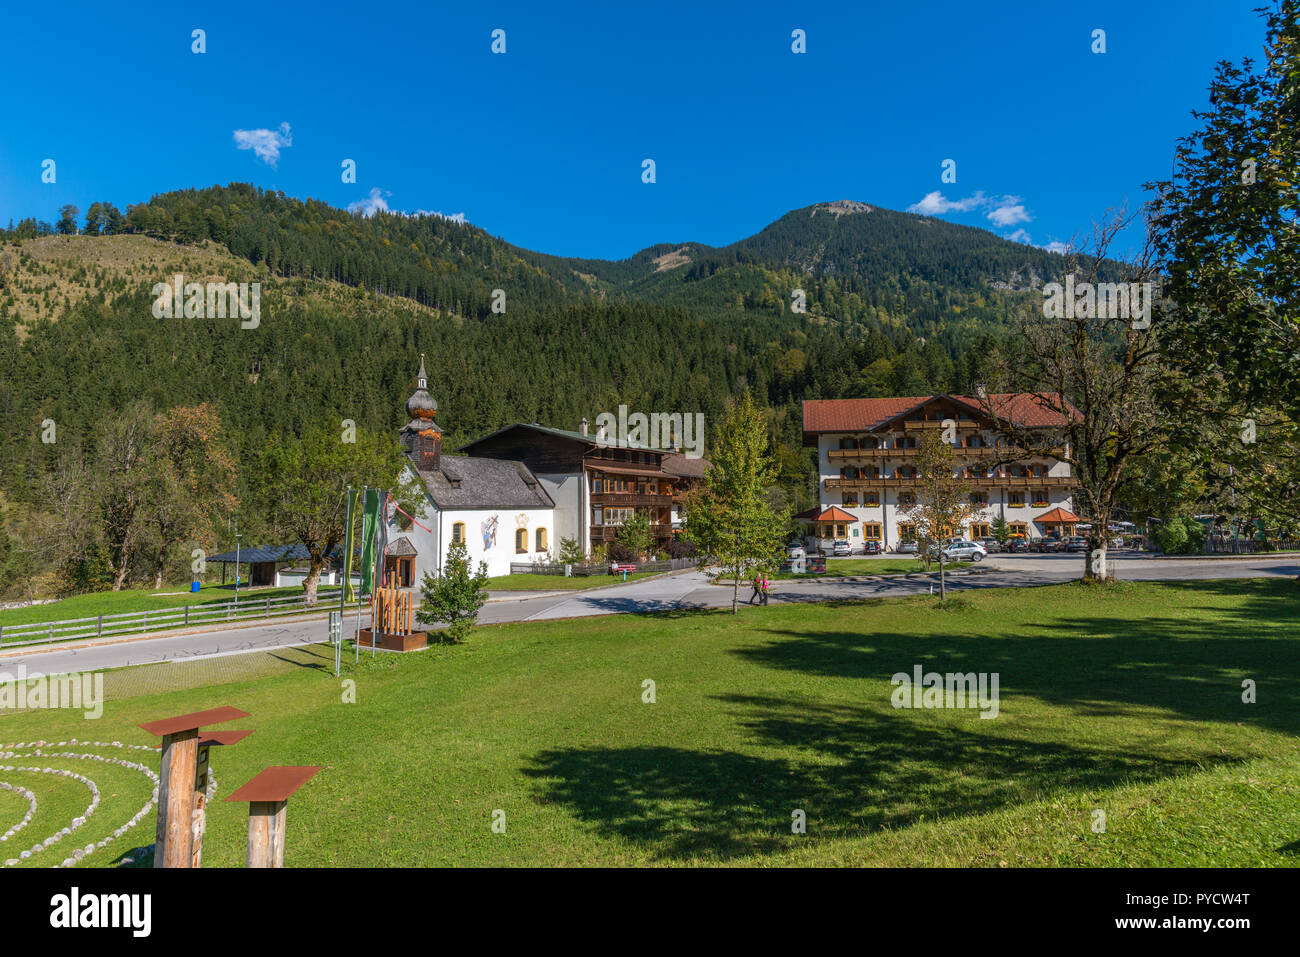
[{"x": 866, "y": 450}]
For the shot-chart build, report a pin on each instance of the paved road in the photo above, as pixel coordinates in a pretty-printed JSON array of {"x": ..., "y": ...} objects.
[{"x": 681, "y": 591}]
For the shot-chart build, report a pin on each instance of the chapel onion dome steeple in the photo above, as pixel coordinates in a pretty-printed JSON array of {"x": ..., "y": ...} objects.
[{"x": 421, "y": 406}]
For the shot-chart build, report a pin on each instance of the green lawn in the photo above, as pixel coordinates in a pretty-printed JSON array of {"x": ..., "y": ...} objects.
[
  {"x": 870, "y": 566},
  {"x": 558, "y": 582},
  {"x": 141, "y": 599},
  {"x": 1125, "y": 699}
]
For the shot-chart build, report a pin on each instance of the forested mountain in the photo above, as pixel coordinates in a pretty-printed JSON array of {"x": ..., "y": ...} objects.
[
  {"x": 897, "y": 304},
  {"x": 859, "y": 266}
]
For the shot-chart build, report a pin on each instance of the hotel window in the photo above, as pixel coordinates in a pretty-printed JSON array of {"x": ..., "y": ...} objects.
[
  {"x": 1018, "y": 528},
  {"x": 1016, "y": 500},
  {"x": 905, "y": 442},
  {"x": 839, "y": 529},
  {"x": 521, "y": 541},
  {"x": 870, "y": 443},
  {"x": 907, "y": 532},
  {"x": 848, "y": 443},
  {"x": 871, "y": 499},
  {"x": 598, "y": 516},
  {"x": 1038, "y": 470},
  {"x": 541, "y": 540},
  {"x": 906, "y": 471},
  {"x": 458, "y": 532},
  {"x": 871, "y": 531},
  {"x": 850, "y": 498},
  {"x": 979, "y": 499},
  {"x": 907, "y": 500},
  {"x": 979, "y": 530},
  {"x": 1039, "y": 499}
]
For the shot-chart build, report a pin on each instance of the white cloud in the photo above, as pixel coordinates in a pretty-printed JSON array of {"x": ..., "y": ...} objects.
[
  {"x": 1056, "y": 247},
  {"x": 1019, "y": 236},
  {"x": 934, "y": 204},
  {"x": 265, "y": 144},
  {"x": 1008, "y": 211},
  {"x": 372, "y": 204}
]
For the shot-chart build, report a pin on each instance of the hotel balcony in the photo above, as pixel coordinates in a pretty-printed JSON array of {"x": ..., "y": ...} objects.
[
  {"x": 973, "y": 453},
  {"x": 1017, "y": 482}
]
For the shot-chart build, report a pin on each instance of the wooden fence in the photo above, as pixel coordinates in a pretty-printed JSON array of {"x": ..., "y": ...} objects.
[{"x": 164, "y": 619}]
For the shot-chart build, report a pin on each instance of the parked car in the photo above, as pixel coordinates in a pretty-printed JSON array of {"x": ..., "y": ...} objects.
[
  {"x": 991, "y": 544},
  {"x": 963, "y": 551},
  {"x": 872, "y": 547},
  {"x": 907, "y": 548},
  {"x": 841, "y": 547},
  {"x": 1076, "y": 543},
  {"x": 1048, "y": 544},
  {"x": 1016, "y": 543},
  {"x": 796, "y": 550}
]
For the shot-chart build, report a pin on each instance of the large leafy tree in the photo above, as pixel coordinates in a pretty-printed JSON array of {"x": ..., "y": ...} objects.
[
  {"x": 731, "y": 516},
  {"x": 1095, "y": 371},
  {"x": 301, "y": 485},
  {"x": 193, "y": 482},
  {"x": 1226, "y": 228}
]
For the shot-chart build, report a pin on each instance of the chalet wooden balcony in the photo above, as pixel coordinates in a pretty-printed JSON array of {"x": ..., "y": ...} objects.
[
  {"x": 607, "y": 533},
  {"x": 1017, "y": 482},
  {"x": 633, "y": 499}
]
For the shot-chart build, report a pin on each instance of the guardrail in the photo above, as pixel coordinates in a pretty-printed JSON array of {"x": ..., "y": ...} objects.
[{"x": 163, "y": 619}]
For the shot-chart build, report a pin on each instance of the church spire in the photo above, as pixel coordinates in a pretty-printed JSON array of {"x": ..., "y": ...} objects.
[{"x": 421, "y": 434}]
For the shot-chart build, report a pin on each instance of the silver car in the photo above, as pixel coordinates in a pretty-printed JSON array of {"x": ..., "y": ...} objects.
[{"x": 907, "y": 548}]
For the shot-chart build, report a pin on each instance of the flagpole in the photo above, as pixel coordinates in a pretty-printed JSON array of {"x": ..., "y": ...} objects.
[{"x": 347, "y": 569}]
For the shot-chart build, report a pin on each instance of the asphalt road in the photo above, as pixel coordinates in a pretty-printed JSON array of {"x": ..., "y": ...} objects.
[{"x": 682, "y": 591}]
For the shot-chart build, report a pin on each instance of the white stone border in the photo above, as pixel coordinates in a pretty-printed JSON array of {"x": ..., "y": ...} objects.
[{"x": 37, "y": 749}]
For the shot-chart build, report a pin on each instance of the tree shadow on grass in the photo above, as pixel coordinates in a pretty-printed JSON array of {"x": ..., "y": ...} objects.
[
  {"x": 852, "y": 770},
  {"x": 1096, "y": 663}
]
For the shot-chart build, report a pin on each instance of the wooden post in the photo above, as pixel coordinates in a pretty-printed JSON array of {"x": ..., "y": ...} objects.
[
  {"x": 180, "y": 816},
  {"x": 175, "y": 799},
  {"x": 267, "y": 796},
  {"x": 266, "y": 833}
]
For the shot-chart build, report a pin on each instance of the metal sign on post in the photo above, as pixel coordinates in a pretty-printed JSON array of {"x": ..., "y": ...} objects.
[{"x": 336, "y": 638}]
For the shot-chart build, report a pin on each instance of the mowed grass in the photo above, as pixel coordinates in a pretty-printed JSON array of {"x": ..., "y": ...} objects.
[
  {"x": 847, "y": 567},
  {"x": 1124, "y": 699}
]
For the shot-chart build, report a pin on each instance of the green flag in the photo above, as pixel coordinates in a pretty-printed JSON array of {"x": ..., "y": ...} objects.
[
  {"x": 349, "y": 593},
  {"x": 369, "y": 528}
]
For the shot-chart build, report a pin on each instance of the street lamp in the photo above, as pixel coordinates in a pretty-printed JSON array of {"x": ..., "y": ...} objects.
[{"x": 238, "y": 536}]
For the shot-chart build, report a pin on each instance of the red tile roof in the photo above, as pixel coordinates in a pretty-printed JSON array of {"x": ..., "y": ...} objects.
[
  {"x": 835, "y": 514},
  {"x": 864, "y": 415},
  {"x": 1058, "y": 515}
]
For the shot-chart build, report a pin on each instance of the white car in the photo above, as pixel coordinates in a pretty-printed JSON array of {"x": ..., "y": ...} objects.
[
  {"x": 964, "y": 551},
  {"x": 796, "y": 551},
  {"x": 907, "y": 548}
]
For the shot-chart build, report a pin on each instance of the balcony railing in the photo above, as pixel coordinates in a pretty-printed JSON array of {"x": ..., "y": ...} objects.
[
  {"x": 1017, "y": 482},
  {"x": 645, "y": 500},
  {"x": 989, "y": 452},
  {"x": 607, "y": 533}
]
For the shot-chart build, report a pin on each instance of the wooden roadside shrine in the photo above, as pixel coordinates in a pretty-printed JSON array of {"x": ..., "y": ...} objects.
[
  {"x": 181, "y": 786},
  {"x": 267, "y": 795},
  {"x": 391, "y": 623}
]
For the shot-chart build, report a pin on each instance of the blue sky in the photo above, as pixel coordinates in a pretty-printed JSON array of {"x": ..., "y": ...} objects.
[{"x": 544, "y": 145}]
